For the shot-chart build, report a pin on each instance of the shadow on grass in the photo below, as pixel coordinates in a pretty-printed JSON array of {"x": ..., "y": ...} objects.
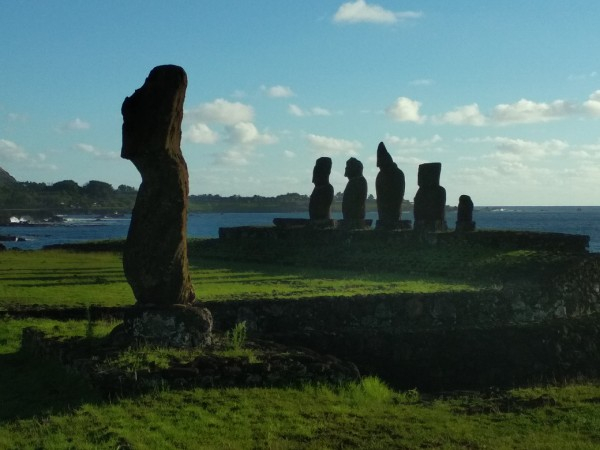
[{"x": 33, "y": 387}]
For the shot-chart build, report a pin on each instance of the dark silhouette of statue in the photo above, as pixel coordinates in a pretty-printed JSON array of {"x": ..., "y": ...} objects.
[
  {"x": 155, "y": 260},
  {"x": 430, "y": 200},
  {"x": 389, "y": 186},
  {"x": 155, "y": 255},
  {"x": 464, "y": 216},
  {"x": 319, "y": 207},
  {"x": 355, "y": 194}
]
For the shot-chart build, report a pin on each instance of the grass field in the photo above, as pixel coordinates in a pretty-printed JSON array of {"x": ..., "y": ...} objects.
[
  {"x": 61, "y": 278},
  {"x": 45, "y": 406}
]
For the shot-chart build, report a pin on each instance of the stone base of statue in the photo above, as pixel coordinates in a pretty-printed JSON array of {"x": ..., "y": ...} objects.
[
  {"x": 465, "y": 226},
  {"x": 322, "y": 224},
  {"x": 430, "y": 225},
  {"x": 354, "y": 224},
  {"x": 179, "y": 326},
  {"x": 393, "y": 225},
  {"x": 288, "y": 223},
  {"x": 285, "y": 222}
]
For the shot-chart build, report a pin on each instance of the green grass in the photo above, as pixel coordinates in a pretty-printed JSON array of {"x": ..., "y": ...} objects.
[
  {"x": 46, "y": 406},
  {"x": 61, "y": 278}
]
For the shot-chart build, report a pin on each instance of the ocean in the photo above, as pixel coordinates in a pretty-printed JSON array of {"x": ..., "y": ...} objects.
[{"x": 76, "y": 228}]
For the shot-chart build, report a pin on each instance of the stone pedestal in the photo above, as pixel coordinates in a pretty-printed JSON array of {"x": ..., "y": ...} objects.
[
  {"x": 284, "y": 222},
  {"x": 430, "y": 225},
  {"x": 465, "y": 226},
  {"x": 354, "y": 224},
  {"x": 393, "y": 225},
  {"x": 179, "y": 326},
  {"x": 322, "y": 223}
]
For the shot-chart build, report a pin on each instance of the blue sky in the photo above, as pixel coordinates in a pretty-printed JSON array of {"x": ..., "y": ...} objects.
[{"x": 506, "y": 95}]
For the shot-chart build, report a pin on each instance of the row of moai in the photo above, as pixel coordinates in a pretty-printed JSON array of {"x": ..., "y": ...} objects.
[
  {"x": 429, "y": 203},
  {"x": 155, "y": 261}
]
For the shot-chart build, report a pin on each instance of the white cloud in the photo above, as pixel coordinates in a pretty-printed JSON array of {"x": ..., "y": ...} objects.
[
  {"x": 289, "y": 154},
  {"x": 464, "y": 115},
  {"x": 10, "y": 152},
  {"x": 75, "y": 125},
  {"x": 245, "y": 133},
  {"x": 511, "y": 149},
  {"x": 295, "y": 110},
  {"x": 412, "y": 142},
  {"x": 527, "y": 111},
  {"x": 278, "y": 91},
  {"x": 360, "y": 11},
  {"x": 222, "y": 111},
  {"x": 328, "y": 146},
  {"x": 16, "y": 117},
  {"x": 405, "y": 110},
  {"x": 582, "y": 76},
  {"x": 200, "y": 133},
  {"x": 233, "y": 157},
  {"x": 421, "y": 82},
  {"x": 96, "y": 153},
  {"x": 238, "y": 93},
  {"x": 522, "y": 112},
  {"x": 318, "y": 111},
  {"x": 592, "y": 105}
]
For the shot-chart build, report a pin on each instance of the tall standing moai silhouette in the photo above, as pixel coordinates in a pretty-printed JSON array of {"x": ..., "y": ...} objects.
[
  {"x": 319, "y": 207},
  {"x": 155, "y": 258},
  {"x": 389, "y": 187},
  {"x": 464, "y": 215},
  {"x": 355, "y": 195},
  {"x": 430, "y": 201}
]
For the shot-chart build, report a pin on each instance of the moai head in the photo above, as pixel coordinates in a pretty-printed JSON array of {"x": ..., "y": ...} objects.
[
  {"x": 354, "y": 168},
  {"x": 384, "y": 159},
  {"x": 321, "y": 171},
  {"x": 152, "y": 113},
  {"x": 429, "y": 174},
  {"x": 465, "y": 209}
]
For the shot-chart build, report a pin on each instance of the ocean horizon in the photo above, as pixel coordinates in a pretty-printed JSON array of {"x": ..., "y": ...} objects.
[{"x": 583, "y": 220}]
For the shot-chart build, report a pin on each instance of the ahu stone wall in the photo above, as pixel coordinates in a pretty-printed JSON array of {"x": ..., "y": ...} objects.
[{"x": 501, "y": 336}]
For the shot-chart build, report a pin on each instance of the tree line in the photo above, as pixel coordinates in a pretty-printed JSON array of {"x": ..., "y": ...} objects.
[{"x": 67, "y": 196}]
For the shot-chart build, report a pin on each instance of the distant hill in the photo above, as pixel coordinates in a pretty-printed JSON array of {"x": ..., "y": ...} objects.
[{"x": 6, "y": 178}]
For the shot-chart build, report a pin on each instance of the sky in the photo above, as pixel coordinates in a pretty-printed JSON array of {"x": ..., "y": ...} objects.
[{"x": 506, "y": 95}]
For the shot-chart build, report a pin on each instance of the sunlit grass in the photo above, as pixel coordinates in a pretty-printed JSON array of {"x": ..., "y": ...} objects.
[
  {"x": 60, "y": 277},
  {"x": 79, "y": 279},
  {"x": 46, "y": 406}
]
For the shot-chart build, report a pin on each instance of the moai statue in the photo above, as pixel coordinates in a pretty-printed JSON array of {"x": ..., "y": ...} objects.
[
  {"x": 355, "y": 195},
  {"x": 430, "y": 200},
  {"x": 155, "y": 258},
  {"x": 319, "y": 207},
  {"x": 389, "y": 186},
  {"x": 464, "y": 216}
]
